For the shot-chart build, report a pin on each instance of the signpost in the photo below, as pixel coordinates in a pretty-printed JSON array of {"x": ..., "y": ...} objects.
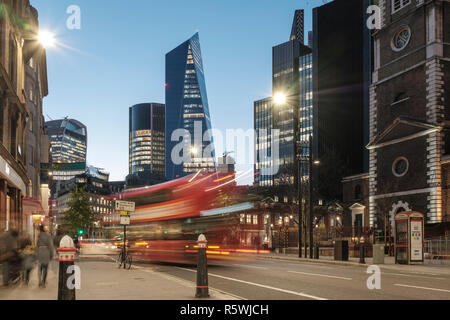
[{"x": 125, "y": 208}]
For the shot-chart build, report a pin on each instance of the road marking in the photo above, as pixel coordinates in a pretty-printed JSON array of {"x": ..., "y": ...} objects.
[
  {"x": 107, "y": 284},
  {"x": 246, "y": 266},
  {"x": 321, "y": 275},
  {"x": 412, "y": 275},
  {"x": 424, "y": 288},
  {"x": 261, "y": 286}
]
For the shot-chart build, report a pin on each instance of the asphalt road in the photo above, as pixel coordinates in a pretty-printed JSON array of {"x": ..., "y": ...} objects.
[{"x": 282, "y": 280}]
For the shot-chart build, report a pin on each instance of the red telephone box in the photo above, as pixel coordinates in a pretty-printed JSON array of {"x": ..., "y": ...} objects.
[{"x": 409, "y": 237}]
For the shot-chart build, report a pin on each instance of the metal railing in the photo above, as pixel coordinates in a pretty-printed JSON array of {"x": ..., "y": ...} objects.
[{"x": 437, "y": 249}]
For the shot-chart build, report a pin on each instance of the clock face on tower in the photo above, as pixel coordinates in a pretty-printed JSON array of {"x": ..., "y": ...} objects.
[{"x": 401, "y": 38}]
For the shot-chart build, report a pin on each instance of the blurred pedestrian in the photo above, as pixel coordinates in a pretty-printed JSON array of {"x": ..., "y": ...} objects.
[
  {"x": 9, "y": 256},
  {"x": 28, "y": 259},
  {"x": 44, "y": 251}
]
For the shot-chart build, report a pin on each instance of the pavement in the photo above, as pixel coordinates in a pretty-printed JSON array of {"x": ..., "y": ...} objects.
[
  {"x": 268, "y": 277},
  {"x": 101, "y": 279}
]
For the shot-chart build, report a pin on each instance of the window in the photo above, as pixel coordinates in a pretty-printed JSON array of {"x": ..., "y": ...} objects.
[
  {"x": 249, "y": 219},
  {"x": 242, "y": 218},
  {"x": 400, "y": 167},
  {"x": 399, "y": 4},
  {"x": 401, "y": 39},
  {"x": 255, "y": 219}
]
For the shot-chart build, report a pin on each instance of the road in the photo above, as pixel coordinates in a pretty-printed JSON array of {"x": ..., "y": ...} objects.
[{"x": 282, "y": 280}]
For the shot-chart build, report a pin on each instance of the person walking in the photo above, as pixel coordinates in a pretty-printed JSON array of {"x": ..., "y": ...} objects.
[
  {"x": 9, "y": 255},
  {"x": 28, "y": 260},
  {"x": 44, "y": 252}
]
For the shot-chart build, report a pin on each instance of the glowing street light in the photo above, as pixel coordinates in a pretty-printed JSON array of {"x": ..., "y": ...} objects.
[
  {"x": 47, "y": 39},
  {"x": 280, "y": 98}
]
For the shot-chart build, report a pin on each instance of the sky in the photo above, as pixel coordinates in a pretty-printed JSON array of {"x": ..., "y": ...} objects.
[{"x": 117, "y": 59}]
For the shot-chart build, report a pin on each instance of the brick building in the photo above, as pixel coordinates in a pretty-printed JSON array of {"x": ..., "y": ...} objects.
[{"x": 410, "y": 113}]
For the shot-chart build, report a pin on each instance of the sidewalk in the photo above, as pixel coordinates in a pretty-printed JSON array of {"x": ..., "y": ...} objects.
[
  {"x": 102, "y": 280},
  {"x": 389, "y": 263}
]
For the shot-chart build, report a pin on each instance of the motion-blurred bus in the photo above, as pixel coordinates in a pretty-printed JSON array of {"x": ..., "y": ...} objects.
[{"x": 170, "y": 217}]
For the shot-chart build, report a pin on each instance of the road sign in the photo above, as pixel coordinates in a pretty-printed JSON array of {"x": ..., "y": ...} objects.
[
  {"x": 125, "y": 220},
  {"x": 125, "y": 206}
]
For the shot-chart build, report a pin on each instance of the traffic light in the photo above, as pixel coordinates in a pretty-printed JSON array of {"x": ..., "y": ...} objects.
[{"x": 80, "y": 232}]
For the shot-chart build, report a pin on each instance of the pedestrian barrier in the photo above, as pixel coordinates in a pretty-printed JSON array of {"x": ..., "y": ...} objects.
[
  {"x": 202, "y": 269},
  {"x": 66, "y": 256}
]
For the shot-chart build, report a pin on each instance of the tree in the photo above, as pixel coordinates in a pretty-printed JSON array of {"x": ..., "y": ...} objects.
[{"x": 80, "y": 215}]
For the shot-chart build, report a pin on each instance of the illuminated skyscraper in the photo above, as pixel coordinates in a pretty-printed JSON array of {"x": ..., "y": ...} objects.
[
  {"x": 187, "y": 109},
  {"x": 68, "y": 140},
  {"x": 147, "y": 143}
]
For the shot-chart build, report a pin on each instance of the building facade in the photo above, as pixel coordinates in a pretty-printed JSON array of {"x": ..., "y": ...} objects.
[
  {"x": 96, "y": 183},
  {"x": 263, "y": 142},
  {"x": 18, "y": 45},
  {"x": 189, "y": 145},
  {"x": 410, "y": 114},
  {"x": 147, "y": 143},
  {"x": 341, "y": 69},
  {"x": 68, "y": 138},
  {"x": 279, "y": 125}
]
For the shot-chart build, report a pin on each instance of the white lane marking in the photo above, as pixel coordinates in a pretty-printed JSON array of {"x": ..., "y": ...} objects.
[
  {"x": 423, "y": 288},
  {"x": 412, "y": 275},
  {"x": 253, "y": 267},
  {"x": 320, "y": 275},
  {"x": 262, "y": 286},
  {"x": 187, "y": 283}
]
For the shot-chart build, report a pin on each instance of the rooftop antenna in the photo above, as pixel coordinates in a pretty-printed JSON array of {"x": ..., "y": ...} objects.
[{"x": 49, "y": 117}]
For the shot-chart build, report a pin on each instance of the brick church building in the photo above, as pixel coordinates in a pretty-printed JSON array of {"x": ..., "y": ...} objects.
[{"x": 410, "y": 114}]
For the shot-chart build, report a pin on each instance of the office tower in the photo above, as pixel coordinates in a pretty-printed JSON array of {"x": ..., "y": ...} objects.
[
  {"x": 68, "y": 140},
  {"x": 341, "y": 70},
  {"x": 263, "y": 123},
  {"x": 187, "y": 110},
  {"x": 292, "y": 80},
  {"x": 147, "y": 143},
  {"x": 410, "y": 114},
  {"x": 68, "y": 146},
  {"x": 298, "y": 26}
]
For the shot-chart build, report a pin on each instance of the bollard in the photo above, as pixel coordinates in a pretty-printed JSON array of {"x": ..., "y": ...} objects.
[
  {"x": 66, "y": 256},
  {"x": 202, "y": 269},
  {"x": 361, "y": 253},
  {"x": 316, "y": 253}
]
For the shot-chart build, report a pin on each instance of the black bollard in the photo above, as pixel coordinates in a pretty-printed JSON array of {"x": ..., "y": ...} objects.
[
  {"x": 202, "y": 269},
  {"x": 361, "y": 253},
  {"x": 317, "y": 249},
  {"x": 66, "y": 255}
]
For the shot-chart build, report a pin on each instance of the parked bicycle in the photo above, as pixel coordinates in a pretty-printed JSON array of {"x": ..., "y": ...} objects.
[{"x": 124, "y": 259}]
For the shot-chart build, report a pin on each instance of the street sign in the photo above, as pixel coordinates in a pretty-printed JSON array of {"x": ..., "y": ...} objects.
[
  {"x": 125, "y": 220},
  {"x": 125, "y": 206},
  {"x": 124, "y": 213}
]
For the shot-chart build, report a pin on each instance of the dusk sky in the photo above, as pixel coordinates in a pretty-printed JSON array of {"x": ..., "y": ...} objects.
[{"x": 117, "y": 60}]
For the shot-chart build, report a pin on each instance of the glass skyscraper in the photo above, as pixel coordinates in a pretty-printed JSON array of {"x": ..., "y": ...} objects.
[
  {"x": 187, "y": 109},
  {"x": 147, "y": 142},
  {"x": 263, "y": 144},
  {"x": 68, "y": 141},
  {"x": 292, "y": 78}
]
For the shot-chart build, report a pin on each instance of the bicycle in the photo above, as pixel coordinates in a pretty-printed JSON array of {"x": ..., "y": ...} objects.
[{"x": 124, "y": 259}]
